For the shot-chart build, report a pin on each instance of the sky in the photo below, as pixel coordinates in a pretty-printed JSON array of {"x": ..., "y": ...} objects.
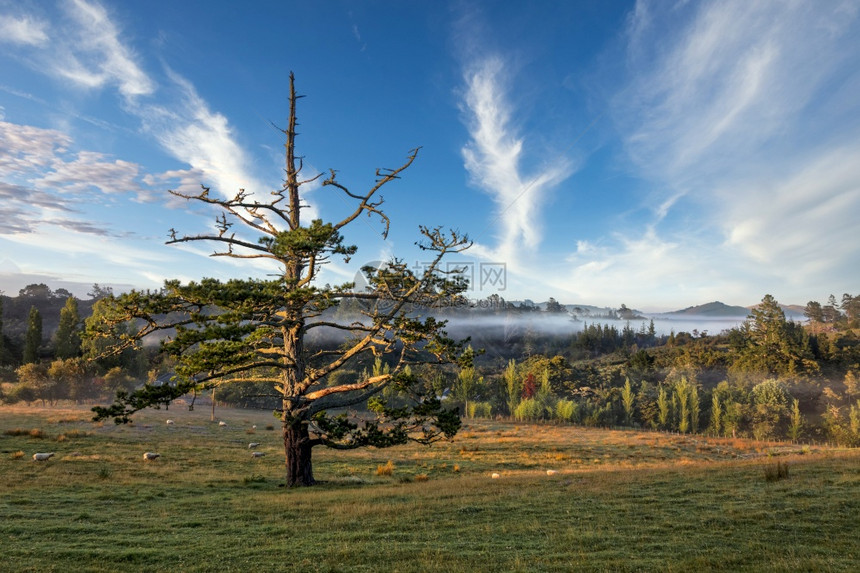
[{"x": 655, "y": 154}]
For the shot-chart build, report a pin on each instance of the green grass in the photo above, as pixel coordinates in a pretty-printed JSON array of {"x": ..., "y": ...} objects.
[{"x": 620, "y": 501}]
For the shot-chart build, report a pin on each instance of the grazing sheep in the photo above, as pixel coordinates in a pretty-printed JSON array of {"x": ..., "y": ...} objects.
[
  {"x": 551, "y": 472},
  {"x": 149, "y": 456},
  {"x": 254, "y": 427},
  {"x": 169, "y": 422},
  {"x": 258, "y": 454},
  {"x": 222, "y": 423},
  {"x": 495, "y": 476},
  {"x": 253, "y": 445},
  {"x": 42, "y": 456}
]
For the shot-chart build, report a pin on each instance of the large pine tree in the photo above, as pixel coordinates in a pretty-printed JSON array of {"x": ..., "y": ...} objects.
[{"x": 256, "y": 330}]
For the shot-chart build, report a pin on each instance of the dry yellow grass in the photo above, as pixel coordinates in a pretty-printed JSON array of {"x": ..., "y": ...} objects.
[{"x": 616, "y": 501}]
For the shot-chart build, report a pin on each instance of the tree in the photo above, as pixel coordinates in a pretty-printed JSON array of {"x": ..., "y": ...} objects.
[
  {"x": 770, "y": 401},
  {"x": 851, "y": 307},
  {"x": 831, "y": 310},
  {"x": 3, "y": 356},
  {"x": 33, "y": 339},
  {"x": 67, "y": 338},
  {"x": 627, "y": 400},
  {"x": 40, "y": 290},
  {"x": 513, "y": 386},
  {"x": 695, "y": 408},
  {"x": 852, "y": 384},
  {"x": 117, "y": 379},
  {"x": 625, "y": 313},
  {"x": 99, "y": 292},
  {"x": 663, "y": 407},
  {"x": 554, "y": 307},
  {"x": 796, "y": 423},
  {"x": 258, "y": 330},
  {"x": 767, "y": 321},
  {"x": 34, "y": 375},
  {"x": 682, "y": 391},
  {"x": 71, "y": 378},
  {"x": 716, "y": 414},
  {"x": 813, "y": 311},
  {"x": 767, "y": 343},
  {"x": 467, "y": 387},
  {"x": 103, "y": 351}
]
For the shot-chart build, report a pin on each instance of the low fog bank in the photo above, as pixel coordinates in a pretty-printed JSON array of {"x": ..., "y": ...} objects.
[
  {"x": 558, "y": 325},
  {"x": 510, "y": 326}
]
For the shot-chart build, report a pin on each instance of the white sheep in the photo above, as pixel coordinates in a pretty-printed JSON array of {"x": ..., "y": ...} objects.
[
  {"x": 42, "y": 456},
  {"x": 253, "y": 445},
  {"x": 149, "y": 456},
  {"x": 551, "y": 472},
  {"x": 254, "y": 427},
  {"x": 222, "y": 423},
  {"x": 169, "y": 422},
  {"x": 258, "y": 454},
  {"x": 495, "y": 476}
]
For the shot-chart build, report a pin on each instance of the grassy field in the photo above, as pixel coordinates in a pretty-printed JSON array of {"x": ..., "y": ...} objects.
[{"x": 619, "y": 500}]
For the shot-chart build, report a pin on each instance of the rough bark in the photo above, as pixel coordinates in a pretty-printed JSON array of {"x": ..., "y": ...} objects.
[{"x": 297, "y": 447}]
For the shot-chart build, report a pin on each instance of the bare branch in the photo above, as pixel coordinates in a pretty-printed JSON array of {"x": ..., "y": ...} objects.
[
  {"x": 347, "y": 387},
  {"x": 367, "y": 205}
]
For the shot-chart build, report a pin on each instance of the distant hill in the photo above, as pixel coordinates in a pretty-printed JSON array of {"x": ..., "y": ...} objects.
[
  {"x": 713, "y": 309},
  {"x": 794, "y": 311}
]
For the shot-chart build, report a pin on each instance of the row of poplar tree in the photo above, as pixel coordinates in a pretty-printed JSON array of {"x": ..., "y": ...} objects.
[{"x": 770, "y": 378}]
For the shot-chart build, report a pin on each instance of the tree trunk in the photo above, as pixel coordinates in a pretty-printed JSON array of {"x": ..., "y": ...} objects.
[{"x": 297, "y": 448}]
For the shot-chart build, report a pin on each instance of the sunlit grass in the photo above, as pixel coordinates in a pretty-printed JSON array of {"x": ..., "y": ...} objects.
[{"x": 619, "y": 501}]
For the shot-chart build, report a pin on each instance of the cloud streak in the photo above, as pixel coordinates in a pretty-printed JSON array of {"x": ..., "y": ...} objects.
[
  {"x": 189, "y": 130},
  {"x": 493, "y": 158},
  {"x": 25, "y": 31},
  {"x": 96, "y": 57}
]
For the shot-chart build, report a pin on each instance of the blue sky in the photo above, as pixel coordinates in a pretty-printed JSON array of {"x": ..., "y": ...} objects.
[{"x": 656, "y": 154}]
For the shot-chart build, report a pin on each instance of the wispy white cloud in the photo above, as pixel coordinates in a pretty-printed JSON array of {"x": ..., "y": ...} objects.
[
  {"x": 93, "y": 53},
  {"x": 733, "y": 77},
  {"x": 94, "y": 56},
  {"x": 493, "y": 157},
  {"x": 189, "y": 130},
  {"x": 25, "y": 30},
  {"x": 807, "y": 217},
  {"x": 727, "y": 112}
]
